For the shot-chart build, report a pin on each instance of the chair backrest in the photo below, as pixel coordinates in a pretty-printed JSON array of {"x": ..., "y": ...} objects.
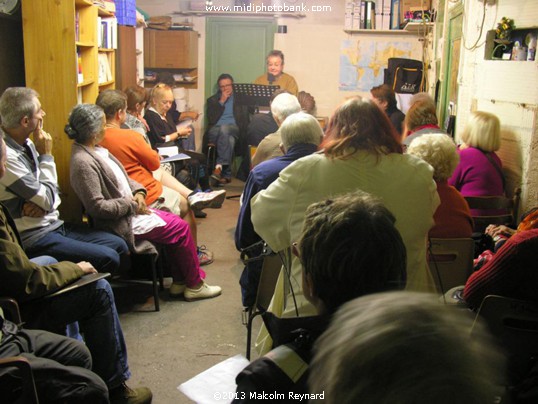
[
  {"x": 514, "y": 323},
  {"x": 268, "y": 277},
  {"x": 450, "y": 261},
  {"x": 28, "y": 393},
  {"x": 511, "y": 205}
]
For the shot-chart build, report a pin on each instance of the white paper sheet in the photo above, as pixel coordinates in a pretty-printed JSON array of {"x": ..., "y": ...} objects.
[{"x": 216, "y": 384}]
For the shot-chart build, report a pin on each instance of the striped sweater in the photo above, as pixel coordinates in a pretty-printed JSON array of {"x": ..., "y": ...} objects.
[{"x": 30, "y": 179}]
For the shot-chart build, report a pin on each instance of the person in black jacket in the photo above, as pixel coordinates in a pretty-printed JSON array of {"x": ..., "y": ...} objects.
[{"x": 227, "y": 123}]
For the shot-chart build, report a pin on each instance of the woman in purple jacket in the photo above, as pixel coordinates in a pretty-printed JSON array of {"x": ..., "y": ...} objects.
[{"x": 479, "y": 172}]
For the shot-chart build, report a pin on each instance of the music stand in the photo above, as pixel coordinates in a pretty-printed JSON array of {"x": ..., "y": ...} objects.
[{"x": 253, "y": 95}]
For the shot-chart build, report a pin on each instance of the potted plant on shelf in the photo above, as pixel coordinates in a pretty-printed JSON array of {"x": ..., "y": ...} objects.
[{"x": 502, "y": 38}]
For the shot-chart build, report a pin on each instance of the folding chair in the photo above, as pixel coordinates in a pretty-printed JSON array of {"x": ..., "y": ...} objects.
[
  {"x": 266, "y": 288},
  {"x": 28, "y": 390},
  {"x": 450, "y": 261},
  {"x": 514, "y": 323},
  {"x": 510, "y": 205}
]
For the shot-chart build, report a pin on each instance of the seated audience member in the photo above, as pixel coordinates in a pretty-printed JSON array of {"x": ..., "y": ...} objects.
[
  {"x": 406, "y": 348},
  {"x": 163, "y": 130},
  {"x": 496, "y": 235},
  {"x": 282, "y": 106},
  {"x": 61, "y": 366},
  {"x": 262, "y": 124},
  {"x": 136, "y": 102},
  {"x": 187, "y": 143},
  {"x": 275, "y": 75},
  {"x": 301, "y": 136},
  {"x": 511, "y": 272},
  {"x": 30, "y": 191},
  {"x": 422, "y": 96},
  {"x": 62, "y": 371},
  {"x": 385, "y": 98},
  {"x": 140, "y": 160},
  {"x": 117, "y": 204},
  {"x": 421, "y": 119},
  {"x": 479, "y": 172},
  {"x": 227, "y": 124},
  {"x": 361, "y": 151},
  {"x": 349, "y": 247},
  {"x": 142, "y": 165},
  {"x": 137, "y": 98},
  {"x": 452, "y": 217}
]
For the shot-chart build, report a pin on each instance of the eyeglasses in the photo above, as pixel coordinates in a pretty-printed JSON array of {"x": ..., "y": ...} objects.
[{"x": 226, "y": 85}]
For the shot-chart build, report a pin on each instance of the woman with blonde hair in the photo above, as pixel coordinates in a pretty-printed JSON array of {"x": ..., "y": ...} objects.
[
  {"x": 360, "y": 152},
  {"x": 479, "y": 172}
]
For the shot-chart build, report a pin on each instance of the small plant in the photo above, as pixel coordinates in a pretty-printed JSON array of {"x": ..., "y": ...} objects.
[{"x": 504, "y": 28}]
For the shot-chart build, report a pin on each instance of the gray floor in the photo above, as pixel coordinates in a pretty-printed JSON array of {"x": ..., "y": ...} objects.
[{"x": 183, "y": 339}]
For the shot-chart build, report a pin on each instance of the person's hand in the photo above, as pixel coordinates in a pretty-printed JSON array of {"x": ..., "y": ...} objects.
[
  {"x": 42, "y": 141},
  {"x": 30, "y": 209},
  {"x": 496, "y": 230},
  {"x": 142, "y": 208},
  {"x": 225, "y": 94},
  {"x": 184, "y": 132},
  {"x": 86, "y": 267}
]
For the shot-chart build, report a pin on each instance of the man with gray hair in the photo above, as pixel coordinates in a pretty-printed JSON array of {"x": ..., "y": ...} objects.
[
  {"x": 300, "y": 136},
  {"x": 30, "y": 190},
  {"x": 282, "y": 106}
]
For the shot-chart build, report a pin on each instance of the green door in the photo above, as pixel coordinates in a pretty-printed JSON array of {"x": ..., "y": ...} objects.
[
  {"x": 237, "y": 46},
  {"x": 449, "y": 88}
]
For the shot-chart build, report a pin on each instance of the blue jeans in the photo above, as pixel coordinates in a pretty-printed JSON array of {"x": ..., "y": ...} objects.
[
  {"x": 190, "y": 142},
  {"x": 94, "y": 308},
  {"x": 72, "y": 330},
  {"x": 79, "y": 243},
  {"x": 224, "y": 137}
]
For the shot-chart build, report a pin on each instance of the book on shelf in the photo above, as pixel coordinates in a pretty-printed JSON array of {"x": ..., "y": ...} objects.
[
  {"x": 80, "y": 74},
  {"x": 77, "y": 26},
  {"x": 107, "y": 36},
  {"x": 104, "y": 71}
]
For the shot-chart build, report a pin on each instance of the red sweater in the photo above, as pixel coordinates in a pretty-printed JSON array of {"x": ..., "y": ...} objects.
[
  {"x": 137, "y": 157},
  {"x": 452, "y": 217},
  {"x": 513, "y": 272}
]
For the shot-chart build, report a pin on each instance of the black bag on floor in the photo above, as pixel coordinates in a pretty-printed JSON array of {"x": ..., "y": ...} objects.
[{"x": 404, "y": 75}]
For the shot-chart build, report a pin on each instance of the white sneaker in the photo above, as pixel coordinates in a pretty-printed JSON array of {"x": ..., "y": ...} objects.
[
  {"x": 202, "y": 200},
  {"x": 203, "y": 292}
]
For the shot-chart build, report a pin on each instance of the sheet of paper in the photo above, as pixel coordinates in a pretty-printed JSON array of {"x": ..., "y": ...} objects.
[
  {"x": 176, "y": 157},
  {"x": 216, "y": 384},
  {"x": 168, "y": 151},
  {"x": 184, "y": 123}
]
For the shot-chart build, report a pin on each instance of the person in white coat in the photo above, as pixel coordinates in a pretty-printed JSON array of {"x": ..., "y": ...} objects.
[{"x": 361, "y": 151}]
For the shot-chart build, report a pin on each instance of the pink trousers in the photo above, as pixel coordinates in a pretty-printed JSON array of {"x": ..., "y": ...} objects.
[{"x": 180, "y": 248}]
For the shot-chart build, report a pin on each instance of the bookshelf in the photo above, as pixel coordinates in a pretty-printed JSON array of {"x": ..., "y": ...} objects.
[{"x": 60, "y": 39}]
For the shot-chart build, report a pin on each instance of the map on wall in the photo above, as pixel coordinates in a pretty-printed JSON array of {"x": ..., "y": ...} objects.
[{"x": 362, "y": 62}]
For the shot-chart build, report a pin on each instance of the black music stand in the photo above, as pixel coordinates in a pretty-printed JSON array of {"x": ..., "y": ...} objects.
[{"x": 253, "y": 95}]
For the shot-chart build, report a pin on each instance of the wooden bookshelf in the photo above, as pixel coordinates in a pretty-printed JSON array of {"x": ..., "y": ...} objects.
[{"x": 58, "y": 37}]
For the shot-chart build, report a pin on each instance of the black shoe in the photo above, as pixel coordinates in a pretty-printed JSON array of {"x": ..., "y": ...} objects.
[
  {"x": 200, "y": 214},
  {"x": 125, "y": 395}
]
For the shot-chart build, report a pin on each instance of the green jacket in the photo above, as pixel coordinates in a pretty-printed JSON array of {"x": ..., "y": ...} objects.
[{"x": 20, "y": 278}]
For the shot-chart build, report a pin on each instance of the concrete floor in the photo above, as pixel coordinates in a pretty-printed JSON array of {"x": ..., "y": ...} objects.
[{"x": 169, "y": 347}]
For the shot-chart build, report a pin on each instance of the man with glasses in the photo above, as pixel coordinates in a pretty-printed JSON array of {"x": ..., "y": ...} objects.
[{"x": 226, "y": 121}]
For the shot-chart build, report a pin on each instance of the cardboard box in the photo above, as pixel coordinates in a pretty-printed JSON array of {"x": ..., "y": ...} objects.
[{"x": 412, "y": 5}]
